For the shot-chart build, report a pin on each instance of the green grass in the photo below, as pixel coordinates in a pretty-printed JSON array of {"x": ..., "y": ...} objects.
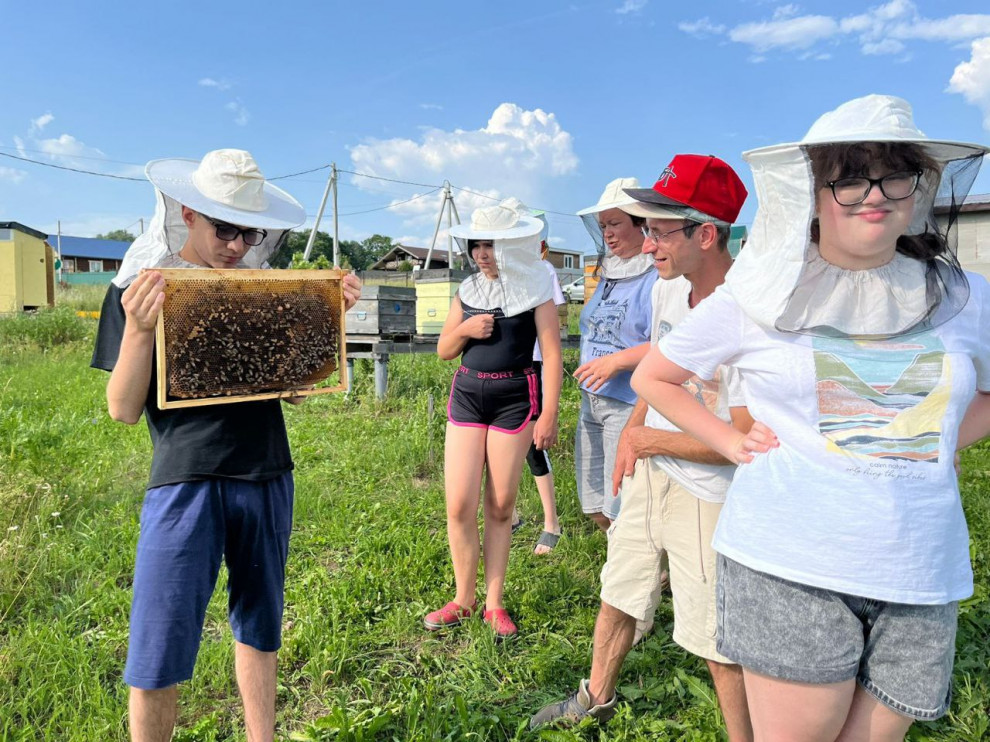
[{"x": 368, "y": 558}]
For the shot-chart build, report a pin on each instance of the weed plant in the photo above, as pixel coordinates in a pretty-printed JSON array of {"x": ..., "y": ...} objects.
[
  {"x": 368, "y": 558},
  {"x": 81, "y": 297}
]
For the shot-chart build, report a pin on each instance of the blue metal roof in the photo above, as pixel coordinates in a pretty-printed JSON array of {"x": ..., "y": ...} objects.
[{"x": 89, "y": 247}]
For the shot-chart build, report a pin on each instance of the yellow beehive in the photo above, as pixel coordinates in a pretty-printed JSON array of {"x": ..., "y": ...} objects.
[
  {"x": 435, "y": 289},
  {"x": 590, "y": 281}
]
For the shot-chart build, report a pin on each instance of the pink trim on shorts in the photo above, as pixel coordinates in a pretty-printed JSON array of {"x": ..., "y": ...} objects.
[
  {"x": 532, "y": 408},
  {"x": 450, "y": 397}
]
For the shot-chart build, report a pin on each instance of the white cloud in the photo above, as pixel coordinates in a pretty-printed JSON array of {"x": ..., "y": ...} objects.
[
  {"x": 518, "y": 153},
  {"x": 882, "y": 29},
  {"x": 41, "y": 122},
  {"x": 972, "y": 79},
  {"x": 701, "y": 27},
  {"x": 209, "y": 82},
  {"x": 12, "y": 175},
  {"x": 886, "y": 46},
  {"x": 431, "y": 107},
  {"x": 790, "y": 33},
  {"x": 66, "y": 147},
  {"x": 241, "y": 113},
  {"x": 631, "y": 6},
  {"x": 21, "y": 149}
]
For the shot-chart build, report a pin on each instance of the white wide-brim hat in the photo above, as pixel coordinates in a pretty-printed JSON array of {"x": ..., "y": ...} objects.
[
  {"x": 227, "y": 185},
  {"x": 497, "y": 223},
  {"x": 613, "y": 197},
  {"x": 875, "y": 118}
]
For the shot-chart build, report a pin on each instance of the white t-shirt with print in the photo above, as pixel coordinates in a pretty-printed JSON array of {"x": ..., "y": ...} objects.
[
  {"x": 861, "y": 496},
  {"x": 707, "y": 482}
]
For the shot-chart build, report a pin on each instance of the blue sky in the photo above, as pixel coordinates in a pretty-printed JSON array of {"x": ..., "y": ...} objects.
[{"x": 544, "y": 101}]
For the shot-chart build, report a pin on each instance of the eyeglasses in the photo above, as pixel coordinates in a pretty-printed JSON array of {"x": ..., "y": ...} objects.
[
  {"x": 659, "y": 237},
  {"x": 229, "y": 232},
  {"x": 895, "y": 187}
]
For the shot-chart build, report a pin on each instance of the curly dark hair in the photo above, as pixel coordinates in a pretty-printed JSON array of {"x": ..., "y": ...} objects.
[{"x": 834, "y": 161}]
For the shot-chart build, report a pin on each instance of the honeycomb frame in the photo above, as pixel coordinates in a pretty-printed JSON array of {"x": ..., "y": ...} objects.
[{"x": 239, "y": 335}]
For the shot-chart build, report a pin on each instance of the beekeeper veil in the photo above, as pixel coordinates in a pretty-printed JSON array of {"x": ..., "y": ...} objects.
[
  {"x": 226, "y": 186},
  {"x": 522, "y": 283},
  {"x": 779, "y": 278},
  {"x": 611, "y": 266}
]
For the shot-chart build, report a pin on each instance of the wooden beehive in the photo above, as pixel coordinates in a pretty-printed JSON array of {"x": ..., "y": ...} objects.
[
  {"x": 383, "y": 311},
  {"x": 238, "y": 335}
]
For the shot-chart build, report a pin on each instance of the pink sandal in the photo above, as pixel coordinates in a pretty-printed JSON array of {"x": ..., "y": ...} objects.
[
  {"x": 449, "y": 616},
  {"x": 498, "y": 619}
]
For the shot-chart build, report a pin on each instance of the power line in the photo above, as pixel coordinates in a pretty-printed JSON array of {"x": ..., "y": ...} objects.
[
  {"x": 70, "y": 169},
  {"x": 391, "y": 180}
]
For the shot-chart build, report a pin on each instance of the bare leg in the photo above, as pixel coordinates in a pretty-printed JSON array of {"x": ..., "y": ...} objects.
[
  {"x": 783, "y": 711},
  {"x": 731, "y": 692},
  {"x": 152, "y": 714},
  {"x": 871, "y": 721},
  {"x": 613, "y": 639},
  {"x": 505, "y": 454},
  {"x": 256, "y": 675},
  {"x": 548, "y": 498},
  {"x": 601, "y": 520},
  {"x": 464, "y": 459}
]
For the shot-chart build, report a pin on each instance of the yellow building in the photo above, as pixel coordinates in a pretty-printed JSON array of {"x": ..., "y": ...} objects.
[{"x": 27, "y": 268}]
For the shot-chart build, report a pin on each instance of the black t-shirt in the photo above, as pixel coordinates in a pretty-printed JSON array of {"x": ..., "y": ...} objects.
[
  {"x": 510, "y": 346},
  {"x": 241, "y": 440}
]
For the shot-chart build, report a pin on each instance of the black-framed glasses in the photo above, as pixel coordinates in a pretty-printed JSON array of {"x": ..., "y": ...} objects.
[
  {"x": 894, "y": 187},
  {"x": 659, "y": 237},
  {"x": 230, "y": 232}
]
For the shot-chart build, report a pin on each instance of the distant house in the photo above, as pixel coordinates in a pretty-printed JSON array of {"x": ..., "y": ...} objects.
[
  {"x": 414, "y": 256},
  {"x": 568, "y": 264},
  {"x": 87, "y": 259},
  {"x": 972, "y": 232}
]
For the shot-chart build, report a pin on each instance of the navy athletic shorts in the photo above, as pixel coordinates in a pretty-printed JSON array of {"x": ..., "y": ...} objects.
[
  {"x": 186, "y": 529},
  {"x": 501, "y": 400}
]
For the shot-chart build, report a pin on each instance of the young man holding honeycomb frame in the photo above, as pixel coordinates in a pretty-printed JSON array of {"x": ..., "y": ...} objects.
[{"x": 221, "y": 483}]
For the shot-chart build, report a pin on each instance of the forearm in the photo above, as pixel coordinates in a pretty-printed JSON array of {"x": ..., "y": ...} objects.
[
  {"x": 127, "y": 389},
  {"x": 553, "y": 372},
  {"x": 680, "y": 407},
  {"x": 975, "y": 425},
  {"x": 450, "y": 345},
  {"x": 628, "y": 359},
  {"x": 653, "y": 442}
]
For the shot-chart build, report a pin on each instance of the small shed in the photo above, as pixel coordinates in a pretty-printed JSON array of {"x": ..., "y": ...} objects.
[
  {"x": 27, "y": 269},
  {"x": 88, "y": 260}
]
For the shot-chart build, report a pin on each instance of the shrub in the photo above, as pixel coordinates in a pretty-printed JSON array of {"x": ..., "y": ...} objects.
[{"x": 46, "y": 328}]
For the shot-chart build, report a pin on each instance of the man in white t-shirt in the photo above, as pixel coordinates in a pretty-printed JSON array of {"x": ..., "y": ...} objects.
[{"x": 673, "y": 486}]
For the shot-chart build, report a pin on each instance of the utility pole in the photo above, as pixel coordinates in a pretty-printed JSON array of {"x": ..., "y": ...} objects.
[{"x": 331, "y": 186}]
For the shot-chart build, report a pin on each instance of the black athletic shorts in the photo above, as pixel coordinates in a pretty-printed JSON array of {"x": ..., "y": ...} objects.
[{"x": 501, "y": 400}]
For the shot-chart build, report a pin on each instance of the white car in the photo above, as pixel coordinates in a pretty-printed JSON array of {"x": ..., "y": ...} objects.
[{"x": 574, "y": 291}]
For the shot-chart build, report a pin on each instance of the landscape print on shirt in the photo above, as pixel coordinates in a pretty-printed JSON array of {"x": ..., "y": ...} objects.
[{"x": 882, "y": 399}]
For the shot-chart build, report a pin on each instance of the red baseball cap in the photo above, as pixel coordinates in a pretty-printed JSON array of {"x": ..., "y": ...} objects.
[{"x": 703, "y": 183}]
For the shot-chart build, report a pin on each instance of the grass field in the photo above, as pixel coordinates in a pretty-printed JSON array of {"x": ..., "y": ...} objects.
[{"x": 368, "y": 558}]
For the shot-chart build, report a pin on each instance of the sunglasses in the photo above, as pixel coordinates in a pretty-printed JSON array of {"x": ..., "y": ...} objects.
[{"x": 229, "y": 232}]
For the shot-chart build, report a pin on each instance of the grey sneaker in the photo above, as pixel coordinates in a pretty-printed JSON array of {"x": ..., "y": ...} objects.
[{"x": 574, "y": 709}]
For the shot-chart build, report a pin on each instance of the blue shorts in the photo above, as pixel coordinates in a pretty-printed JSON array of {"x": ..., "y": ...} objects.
[
  {"x": 186, "y": 529},
  {"x": 504, "y": 401}
]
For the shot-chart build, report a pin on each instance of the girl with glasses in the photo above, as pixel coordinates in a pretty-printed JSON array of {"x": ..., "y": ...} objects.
[{"x": 864, "y": 350}]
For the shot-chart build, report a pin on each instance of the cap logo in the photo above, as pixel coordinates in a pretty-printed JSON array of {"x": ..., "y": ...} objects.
[{"x": 665, "y": 176}]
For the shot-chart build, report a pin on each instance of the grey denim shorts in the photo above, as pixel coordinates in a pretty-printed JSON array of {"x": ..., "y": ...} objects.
[{"x": 901, "y": 654}]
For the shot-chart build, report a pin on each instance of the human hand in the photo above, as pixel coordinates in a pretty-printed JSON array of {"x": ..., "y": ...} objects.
[
  {"x": 545, "y": 431},
  {"x": 143, "y": 300},
  {"x": 479, "y": 327},
  {"x": 593, "y": 374},
  {"x": 628, "y": 452},
  {"x": 759, "y": 439},
  {"x": 352, "y": 290}
]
